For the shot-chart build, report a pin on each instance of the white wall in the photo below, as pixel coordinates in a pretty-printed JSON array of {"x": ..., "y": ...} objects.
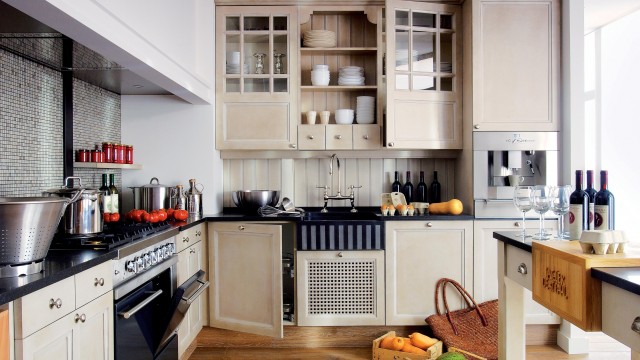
[{"x": 174, "y": 141}]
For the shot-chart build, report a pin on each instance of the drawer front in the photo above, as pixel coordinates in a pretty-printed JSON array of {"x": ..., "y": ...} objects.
[
  {"x": 94, "y": 282},
  {"x": 519, "y": 268},
  {"x": 620, "y": 309},
  {"x": 190, "y": 236},
  {"x": 366, "y": 137},
  {"x": 339, "y": 137},
  {"x": 311, "y": 137},
  {"x": 40, "y": 308}
]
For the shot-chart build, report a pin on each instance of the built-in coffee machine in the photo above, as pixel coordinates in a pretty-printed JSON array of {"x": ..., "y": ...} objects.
[{"x": 503, "y": 160}]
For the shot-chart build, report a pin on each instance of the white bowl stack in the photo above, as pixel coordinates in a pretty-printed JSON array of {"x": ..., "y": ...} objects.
[
  {"x": 233, "y": 63},
  {"x": 320, "y": 75},
  {"x": 344, "y": 116},
  {"x": 365, "y": 109},
  {"x": 319, "y": 38},
  {"x": 351, "y": 76}
]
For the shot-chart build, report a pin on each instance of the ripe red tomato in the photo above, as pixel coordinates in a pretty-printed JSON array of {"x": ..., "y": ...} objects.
[
  {"x": 153, "y": 217},
  {"x": 146, "y": 217},
  {"x": 106, "y": 217},
  {"x": 115, "y": 217},
  {"x": 162, "y": 215},
  {"x": 170, "y": 212},
  {"x": 180, "y": 214}
]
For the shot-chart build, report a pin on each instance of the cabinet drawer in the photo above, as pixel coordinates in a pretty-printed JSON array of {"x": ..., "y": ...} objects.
[
  {"x": 311, "y": 137},
  {"x": 189, "y": 237},
  {"x": 366, "y": 137},
  {"x": 519, "y": 268},
  {"x": 620, "y": 308},
  {"x": 36, "y": 310},
  {"x": 339, "y": 137},
  {"x": 94, "y": 282}
]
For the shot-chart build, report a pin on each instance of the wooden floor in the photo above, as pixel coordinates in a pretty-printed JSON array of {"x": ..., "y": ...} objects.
[{"x": 326, "y": 343}]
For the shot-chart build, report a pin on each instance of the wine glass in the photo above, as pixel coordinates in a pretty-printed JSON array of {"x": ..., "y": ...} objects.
[
  {"x": 522, "y": 200},
  {"x": 560, "y": 206},
  {"x": 541, "y": 199}
]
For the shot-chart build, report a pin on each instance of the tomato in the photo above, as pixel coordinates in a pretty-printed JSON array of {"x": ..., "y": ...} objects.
[
  {"x": 146, "y": 217},
  {"x": 115, "y": 217},
  {"x": 106, "y": 217},
  {"x": 162, "y": 215},
  {"x": 153, "y": 217},
  {"x": 180, "y": 214},
  {"x": 170, "y": 212},
  {"x": 137, "y": 217}
]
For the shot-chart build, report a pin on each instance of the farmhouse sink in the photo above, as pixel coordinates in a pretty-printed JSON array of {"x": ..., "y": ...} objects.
[
  {"x": 340, "y": 230},
  {"x": 340, "y": 216}
]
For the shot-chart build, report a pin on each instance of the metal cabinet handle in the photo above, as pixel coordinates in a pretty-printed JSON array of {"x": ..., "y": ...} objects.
[
  {"x": 516, "y": 224},
  {"x": 635, "y": 325},
  {"x": 310, "y": 137},
  {"x": 522, "y": 269},
  {"x": 476, "y": 126},
  {"x": 205, "y": 285},
  {"x": 81, "y": 318},
  {"x": 293, "y": 146},
  {"x": 429, "y": 224},
  {"x": 98, "y": 282},
  {"x": 340, "y": 254},
  {"x": 366, "y": 137},
  {"x": 390, "y": 144},
  {"x": 145, "y": 302},
  {"x": 240, "y": 227},
  {"x": 198, "y": 233},
  {"x": 338, "y": 137},
  {"x": 192, "y": 251},
  {"x": 185, "y": 239},
  {"x": 57, "y": 303}
]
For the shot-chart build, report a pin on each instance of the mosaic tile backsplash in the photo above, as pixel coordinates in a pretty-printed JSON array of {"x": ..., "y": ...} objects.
[{"x": 31, "y": 127}]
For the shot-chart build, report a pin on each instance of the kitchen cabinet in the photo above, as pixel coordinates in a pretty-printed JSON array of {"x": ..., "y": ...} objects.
[
  {"x": 71, "y": 319},
  {"x": 417, "y": 255},
  {"x": 423, "y": 75},
  {"x": 257, "y": 99},
  {"x": 245, "y": 268},
  {"x": 516, "y": 65},
  {"x": 485, "y": 264},
  {"x": 5, "y": 335},
  {"x": 192, "y": 256},
  {"x": 358, "y": 41},
  {"x": 340, "y": 288}
]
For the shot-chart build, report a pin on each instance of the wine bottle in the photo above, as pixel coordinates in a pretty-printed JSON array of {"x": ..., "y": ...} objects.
[
  {"x": 604, "y": 205},
  {"x": 578, "y": 209},
  {"x": 407, "y": 189},
  {"x": 115, "y": 204},
  {"x": 434, "y": 189},
  {"x": 421, "y": 189},
  {"x": 106, "y": 195},
  {"x": 592, "y": 197},
  {"x": 395, "y": 187}
]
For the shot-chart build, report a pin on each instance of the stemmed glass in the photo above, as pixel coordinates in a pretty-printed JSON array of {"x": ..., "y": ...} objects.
[
  {"x": 560, "y": 206},
  {"x": 541, "y": 199},
  {"x": 522, "y": 200}
]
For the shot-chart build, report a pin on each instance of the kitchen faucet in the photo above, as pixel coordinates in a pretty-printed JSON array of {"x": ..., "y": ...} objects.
[{"x": 326, "y": 197}]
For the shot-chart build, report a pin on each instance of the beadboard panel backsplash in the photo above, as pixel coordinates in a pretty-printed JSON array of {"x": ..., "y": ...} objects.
[{"x": 298, "y": 179}]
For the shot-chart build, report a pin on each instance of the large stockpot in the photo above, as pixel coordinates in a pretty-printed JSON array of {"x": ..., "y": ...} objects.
[
  {"x": 84, "y": 215},
  {"x": 152, "y": 196}
]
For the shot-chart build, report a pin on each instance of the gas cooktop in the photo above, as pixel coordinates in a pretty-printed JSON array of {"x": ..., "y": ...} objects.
[{"x": 112, "y": 236}]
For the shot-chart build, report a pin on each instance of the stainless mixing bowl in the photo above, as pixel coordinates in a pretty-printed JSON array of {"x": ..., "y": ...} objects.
[{"x": 249, "y": 201}]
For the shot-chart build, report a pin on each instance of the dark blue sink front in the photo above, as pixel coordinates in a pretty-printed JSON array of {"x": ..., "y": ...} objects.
[
  {"x": 345, "y": 230},
  {"x": 340, "y": 216}
]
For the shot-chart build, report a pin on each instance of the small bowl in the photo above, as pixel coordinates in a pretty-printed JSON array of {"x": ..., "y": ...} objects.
[{"x": 344, "y": 116}]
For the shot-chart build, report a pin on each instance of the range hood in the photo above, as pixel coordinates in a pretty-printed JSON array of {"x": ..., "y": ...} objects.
[{"x": 26, "y": 37}]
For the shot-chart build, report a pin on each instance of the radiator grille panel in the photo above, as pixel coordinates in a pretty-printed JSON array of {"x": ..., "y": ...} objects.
[{"x": 344, "y": 287}]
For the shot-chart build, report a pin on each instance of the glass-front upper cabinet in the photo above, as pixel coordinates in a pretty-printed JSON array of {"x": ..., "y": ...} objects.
[
  {"x": 256, "y": 77},
  {"x": 424, "y": 86}
]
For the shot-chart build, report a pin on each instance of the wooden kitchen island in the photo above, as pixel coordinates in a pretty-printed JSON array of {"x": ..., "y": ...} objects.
[{"x": 611, "y": 303}]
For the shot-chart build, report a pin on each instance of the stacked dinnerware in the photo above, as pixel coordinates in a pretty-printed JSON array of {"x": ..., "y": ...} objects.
[
  {"x": 319, "y": 38},
  {"x": 233, "y": 63},
  {"x": 446, "y": 67},
  {"x": 365, "y": 109},
  {"x": 320, "y": 75},
  {"x": 351, "y": 76},
  {"x": 344, "y": 116}
]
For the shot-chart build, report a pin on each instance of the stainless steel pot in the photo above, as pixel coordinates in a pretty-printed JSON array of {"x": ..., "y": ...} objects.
[
  {"x": 84, "y": 215},
  {"x": 152, "y": 196}
]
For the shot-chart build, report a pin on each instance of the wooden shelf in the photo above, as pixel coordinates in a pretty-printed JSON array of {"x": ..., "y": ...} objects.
[
  {"x": 337, "y": 88},
  {"x": 93, "y": 165},
  {"x": 339, "y": 50}
]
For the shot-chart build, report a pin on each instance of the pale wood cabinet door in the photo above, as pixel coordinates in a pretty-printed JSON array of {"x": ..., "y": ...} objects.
[
  {"x": 516, "y": 65},
  {"x": 256, "y": 77},
  {"x": 417, "y": 255},
  {"x": 423, "y": 75},
  {"x": 93, "y": 337},
  {"x": 245, "y": 271},
  {"x": 190, "y": 261}
]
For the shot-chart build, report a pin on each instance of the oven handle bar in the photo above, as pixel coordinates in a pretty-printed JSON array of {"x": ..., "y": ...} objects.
[
  {"x": 142, "y": 304},
  {"x": 205, "y": 285}
]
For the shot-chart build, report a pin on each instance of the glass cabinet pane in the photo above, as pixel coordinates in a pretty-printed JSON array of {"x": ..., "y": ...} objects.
[
  {"x": 424, "y": 47},
  {"x": 280, "y": 63},
  {"x": 232, "y": 55},
  {"x": 232, "y": 23},
  {"x": 423, "y": 82},
  {"x": 256, "y": 49},
  {"x": 446, "y": 53},
  {"x": 256, "y": 23},
  {"x": 232, "y": 85},
  {"x": 446, "y": 84},
  {"x": 402, "y": 50},
  {"x": 446, "y": 22},
  {"x": 280, "y": 23},
  {"x": 426, "y": 20},
  {"x": 280, "y": 85},
  {"x": 402, "y": 18},
  {"x": 402, "y": 82},
  {"x": 256, "y": 85}
]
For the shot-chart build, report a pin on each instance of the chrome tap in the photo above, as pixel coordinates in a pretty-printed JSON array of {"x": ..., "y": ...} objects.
[{"x": 326, "y": 197}]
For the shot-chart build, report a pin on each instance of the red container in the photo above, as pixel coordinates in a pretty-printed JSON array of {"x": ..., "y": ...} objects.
[
  {"x": 107, "y": 152},
  {"x": 83, "y": 155},
  {"x": 128, "y": 154},
  {"x": 96, "y": 155},
  {"x": 117, "y": 156}
]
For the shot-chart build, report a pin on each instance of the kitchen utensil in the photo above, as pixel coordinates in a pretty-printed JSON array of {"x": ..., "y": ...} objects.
[
  {"x": 152, "y": 196},
  {"x": 194, "y": 198},
  {"x": 84, "y": 215},
  {"x": 287, "y": 204},
  {"x": 249, "y": 201},
  {"x": 178, "y": 198},
  {"x": 27, "y": 226}
]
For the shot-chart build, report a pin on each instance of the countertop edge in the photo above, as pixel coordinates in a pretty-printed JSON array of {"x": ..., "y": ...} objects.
[
  {"x": 618, "y": 277},
  {"x": 511, "y": 238}
]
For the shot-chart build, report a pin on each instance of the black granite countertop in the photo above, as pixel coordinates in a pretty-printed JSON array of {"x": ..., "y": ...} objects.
[{"x": 513, "y": 238}]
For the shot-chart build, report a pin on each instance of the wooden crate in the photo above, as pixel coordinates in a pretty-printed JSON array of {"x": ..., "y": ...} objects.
[
  {"x": 384, "y": 354},
  {"x": 562, "y": 280}
]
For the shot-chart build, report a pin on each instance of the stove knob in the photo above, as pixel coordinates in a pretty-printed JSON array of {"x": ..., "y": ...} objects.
[
  {"x": 140, "y": 263},
  {"x": 154, "y": 257},
  {"x": 159, "y": 254},
  {"x": 171, "y": 248},
  {"x": 130, "y": 266},
  {"x": 147, "y": 260}
]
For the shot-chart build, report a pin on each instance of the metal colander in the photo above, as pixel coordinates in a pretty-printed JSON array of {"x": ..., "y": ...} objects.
[{"x": 27, "y": 227}]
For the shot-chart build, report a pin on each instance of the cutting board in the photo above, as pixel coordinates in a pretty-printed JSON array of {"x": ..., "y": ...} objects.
[{"x": 562, "y": 280}]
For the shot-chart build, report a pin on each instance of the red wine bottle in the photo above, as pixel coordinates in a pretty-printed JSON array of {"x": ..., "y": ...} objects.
[
  {"x": 421, "y": 189},
  {"x": 407, "y": 189},
  {"x": 578, "y": 209},
  {"x": 395, "y": 187},
  {"x": 434, "y": 189},
  {"x": 604, "y": 205},
  {"x": 592, "y": 196}
]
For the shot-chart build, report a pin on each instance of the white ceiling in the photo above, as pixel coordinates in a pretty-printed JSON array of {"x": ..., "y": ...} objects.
[{"x": 598, "y": 13}]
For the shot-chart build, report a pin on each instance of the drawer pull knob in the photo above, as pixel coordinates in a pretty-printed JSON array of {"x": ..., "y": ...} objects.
[
  {"x": 310, "y": 137},
  {"x": 366, "y": 137},
  {"x": 516, "y": 224},
  {"x": 198, "y": 233},
  {"x": 635, "y": 326},
  {"x": 81, "y": 318},
  {"x": 293, "y": 146},
  {"x": 98, "y": 282},
  {"x": 522, "y": 269},
  {"x": 185, "y": 239},
  {"x": 192, "y": 251},
  {"x": 476, "y": 126},
  {"x": 338, "y": 137},
  {"x": 57, "y": 303},
  {"x": 340, "y": 254},
  {"x": 240, "y": 227},
  {"x": 429, "y": 224}
]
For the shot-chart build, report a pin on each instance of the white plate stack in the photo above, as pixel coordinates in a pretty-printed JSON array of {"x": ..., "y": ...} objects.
[
  {"x": 446, "y": 67},
  {"x": 233, "y": 63},
  {"x": 320, "y": 75},
  {"x": 351, "y": 76},
  {"x": 319, "y": 38},
  {"x": 365, "y": 109}
]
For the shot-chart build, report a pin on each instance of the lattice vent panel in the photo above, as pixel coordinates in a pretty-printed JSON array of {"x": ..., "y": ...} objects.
[{"x": 343, "y": 287}]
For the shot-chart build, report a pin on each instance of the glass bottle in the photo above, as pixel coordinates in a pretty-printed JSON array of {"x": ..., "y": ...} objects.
[
  {"x": 395, "y": 187},
  {"x": 578, "y": 209},
  {"x": 592, "y": 197},
  {"x": 421, "y": 189},
  {"x": 604, "y": 205},
  {"x": 115, "y": 204},
  {"x": 434, "y": 189},
  {"x": 407, "y": 189},
  {"x": 106, "y": 195}
]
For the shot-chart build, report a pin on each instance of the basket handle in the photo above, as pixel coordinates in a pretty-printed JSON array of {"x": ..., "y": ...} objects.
[{"x": 465, "y": 295}]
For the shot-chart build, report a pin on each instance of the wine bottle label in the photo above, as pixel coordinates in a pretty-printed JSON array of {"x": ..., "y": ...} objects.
[
  {"x": 591, "y": 215},
  {"x": 106, "y": 203},
  {"x": 114, "y": 203},
  {"x": 575, "y": 221},
  {"x": 601, "y": 217}
]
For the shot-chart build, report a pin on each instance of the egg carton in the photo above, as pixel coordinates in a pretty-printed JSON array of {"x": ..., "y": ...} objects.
[
  {"x": 396, "y": 203},
  {"x": 601, "y": 242}
]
